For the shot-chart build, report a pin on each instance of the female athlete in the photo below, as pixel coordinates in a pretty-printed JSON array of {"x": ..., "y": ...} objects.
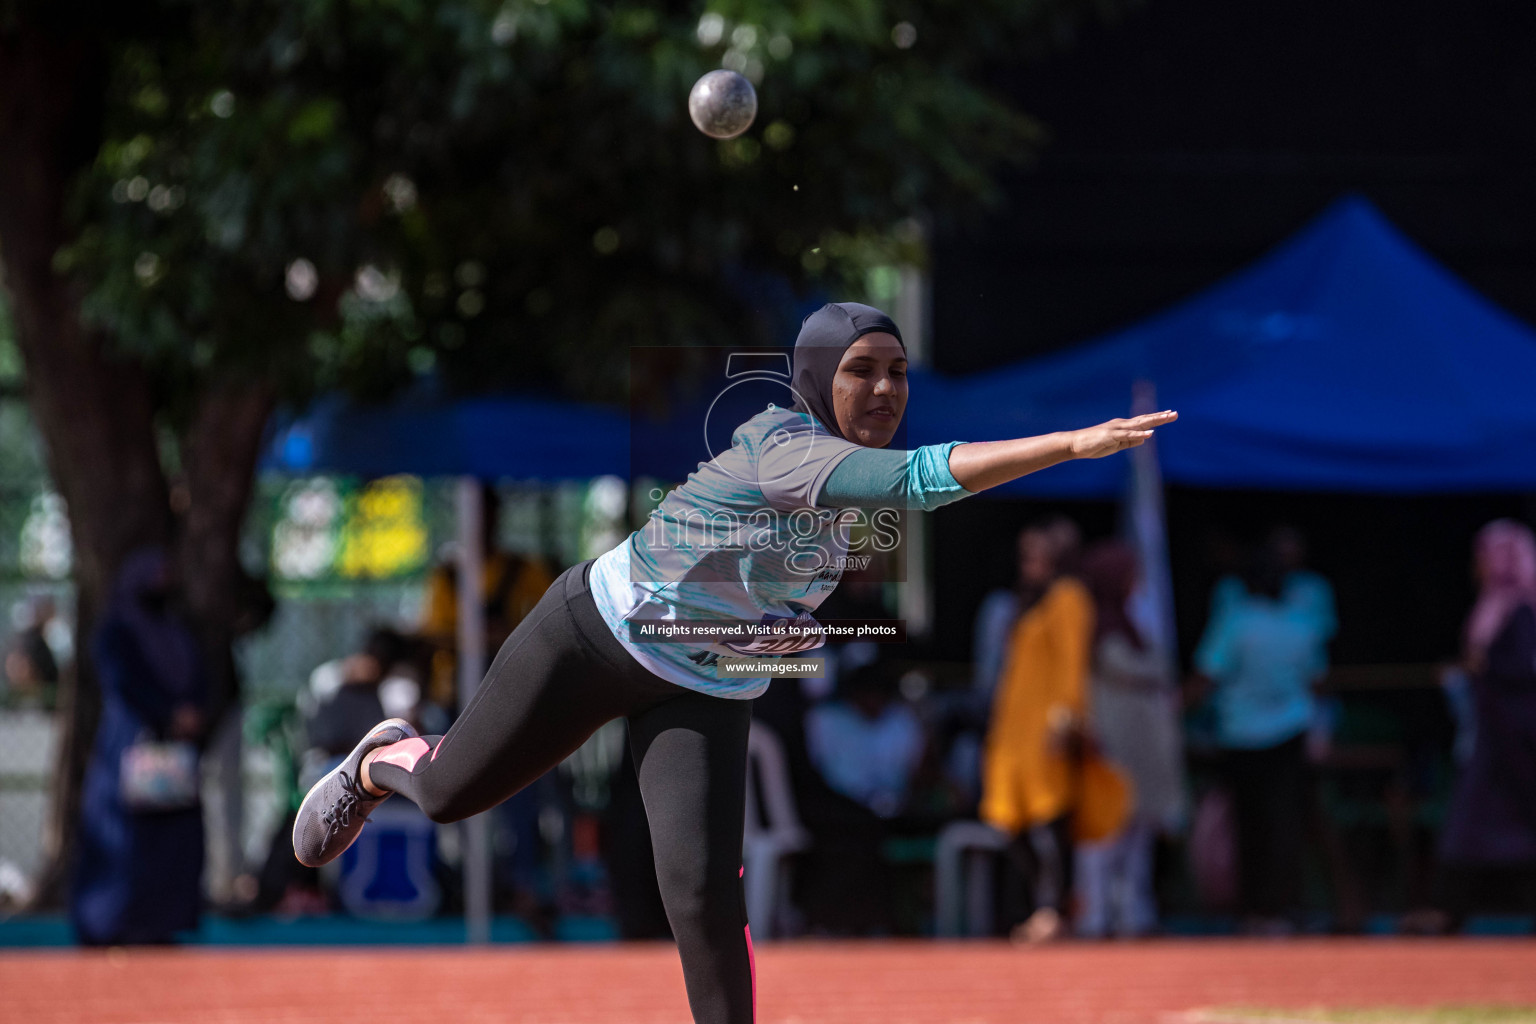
[{"x": 754, "y": 536}]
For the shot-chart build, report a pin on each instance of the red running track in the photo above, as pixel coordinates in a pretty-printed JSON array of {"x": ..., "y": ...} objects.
[{"x": 799, "y": 983}]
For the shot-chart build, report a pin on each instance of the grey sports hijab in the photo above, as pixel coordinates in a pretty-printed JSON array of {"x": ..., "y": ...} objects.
[{"x": 824, "y": 336}]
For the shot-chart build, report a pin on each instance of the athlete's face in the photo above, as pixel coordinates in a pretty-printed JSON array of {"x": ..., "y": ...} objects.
[{"x": 869, "y": 392}]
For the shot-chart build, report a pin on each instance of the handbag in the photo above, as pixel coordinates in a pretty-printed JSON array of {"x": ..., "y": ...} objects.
[
  {"x": 160, "y": 775},
  {"x": 1104, "y": 800}
]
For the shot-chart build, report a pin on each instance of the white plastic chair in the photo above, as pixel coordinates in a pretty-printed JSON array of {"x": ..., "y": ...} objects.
[
  {"x": 773, "y": 830},
  {"x": 962, "y": 878}
]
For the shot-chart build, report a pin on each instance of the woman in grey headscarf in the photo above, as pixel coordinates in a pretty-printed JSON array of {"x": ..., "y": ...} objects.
[{"x": 753, "y": 540}]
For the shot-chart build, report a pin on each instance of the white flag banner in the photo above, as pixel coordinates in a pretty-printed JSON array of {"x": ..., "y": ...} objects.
[{"x": 1145, "y": 526}]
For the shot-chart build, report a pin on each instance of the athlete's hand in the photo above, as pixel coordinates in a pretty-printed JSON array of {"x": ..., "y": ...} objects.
[{"x": 1117, "y": 435}]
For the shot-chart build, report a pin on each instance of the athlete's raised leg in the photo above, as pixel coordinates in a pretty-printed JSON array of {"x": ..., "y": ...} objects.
[
  {"x": 555, "y": 680},
  {"x": 545, "y": 693}
]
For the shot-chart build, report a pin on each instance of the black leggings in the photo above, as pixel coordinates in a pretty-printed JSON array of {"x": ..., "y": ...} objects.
[{"x": 559, "y": 676}]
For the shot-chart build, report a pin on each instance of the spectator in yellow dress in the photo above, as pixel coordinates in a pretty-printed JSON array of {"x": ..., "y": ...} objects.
[{"x": 1036, "y": 730}]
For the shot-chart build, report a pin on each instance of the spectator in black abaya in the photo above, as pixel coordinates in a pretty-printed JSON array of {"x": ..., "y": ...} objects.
[{"x": 139, "y": 871}]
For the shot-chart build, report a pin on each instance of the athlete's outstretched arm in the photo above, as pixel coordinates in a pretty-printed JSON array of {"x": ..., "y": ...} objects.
[
  {"x": 934, "y": 475},
  {"x": 982, "y": 464}
]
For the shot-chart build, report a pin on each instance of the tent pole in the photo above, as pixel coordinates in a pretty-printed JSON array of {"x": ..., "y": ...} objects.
[
  {"x": 471, "y": 663},
  {"x": 913, "y": 308}
]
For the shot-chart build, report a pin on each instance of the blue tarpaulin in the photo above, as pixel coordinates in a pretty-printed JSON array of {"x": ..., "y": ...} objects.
[
  {"x": 1345, "y": 360},
  {"x": 521, "y": 436}
]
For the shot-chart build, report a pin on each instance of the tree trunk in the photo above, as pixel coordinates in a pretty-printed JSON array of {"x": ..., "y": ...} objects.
[
  {"x": 219, "y": 457},
  {"x": 219, "y": 454},
  {"x": 96, "y": 414}
]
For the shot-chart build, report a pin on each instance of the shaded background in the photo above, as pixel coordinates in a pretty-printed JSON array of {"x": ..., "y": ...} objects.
[{"x": 1187, "y": 141}]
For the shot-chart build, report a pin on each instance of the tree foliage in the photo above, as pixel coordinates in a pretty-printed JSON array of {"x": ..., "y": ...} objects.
[{"x": 349, "y": 192}]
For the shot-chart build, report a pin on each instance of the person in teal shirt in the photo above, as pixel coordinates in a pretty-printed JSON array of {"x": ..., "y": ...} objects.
[{"x": 1259, "y": 660}]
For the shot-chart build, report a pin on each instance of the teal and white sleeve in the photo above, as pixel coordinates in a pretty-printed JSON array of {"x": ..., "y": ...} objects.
[{"x": 872, "y": 477}]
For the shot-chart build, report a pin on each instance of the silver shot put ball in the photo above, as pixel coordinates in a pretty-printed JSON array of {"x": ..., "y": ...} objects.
[{"x": 722, "y": 104}]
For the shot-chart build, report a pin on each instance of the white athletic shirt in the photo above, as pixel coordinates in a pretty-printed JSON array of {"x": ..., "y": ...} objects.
[{"x": 740, "y": 540}]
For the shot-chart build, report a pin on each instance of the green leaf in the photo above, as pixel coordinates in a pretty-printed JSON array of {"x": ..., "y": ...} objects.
[{"x": 314, "y": 122}]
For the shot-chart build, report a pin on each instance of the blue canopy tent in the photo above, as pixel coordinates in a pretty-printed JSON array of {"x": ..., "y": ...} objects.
[
  {"x": 1345, "y": 360},
  {"x": 517, "y": 436}
]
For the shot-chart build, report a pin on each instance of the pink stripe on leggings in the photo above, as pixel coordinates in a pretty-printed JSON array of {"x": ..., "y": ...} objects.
[
  {"x": 404, "y": 754},
  {"x": 751, "y": 960},
  {"x": 752, "y": 963}
]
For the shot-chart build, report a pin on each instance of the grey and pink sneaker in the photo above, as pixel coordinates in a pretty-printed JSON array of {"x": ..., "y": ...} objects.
[{"x": 335, "y": 808}]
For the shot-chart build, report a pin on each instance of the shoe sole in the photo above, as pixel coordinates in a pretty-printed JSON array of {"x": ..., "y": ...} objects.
[{"x": 398, "y": 723}]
